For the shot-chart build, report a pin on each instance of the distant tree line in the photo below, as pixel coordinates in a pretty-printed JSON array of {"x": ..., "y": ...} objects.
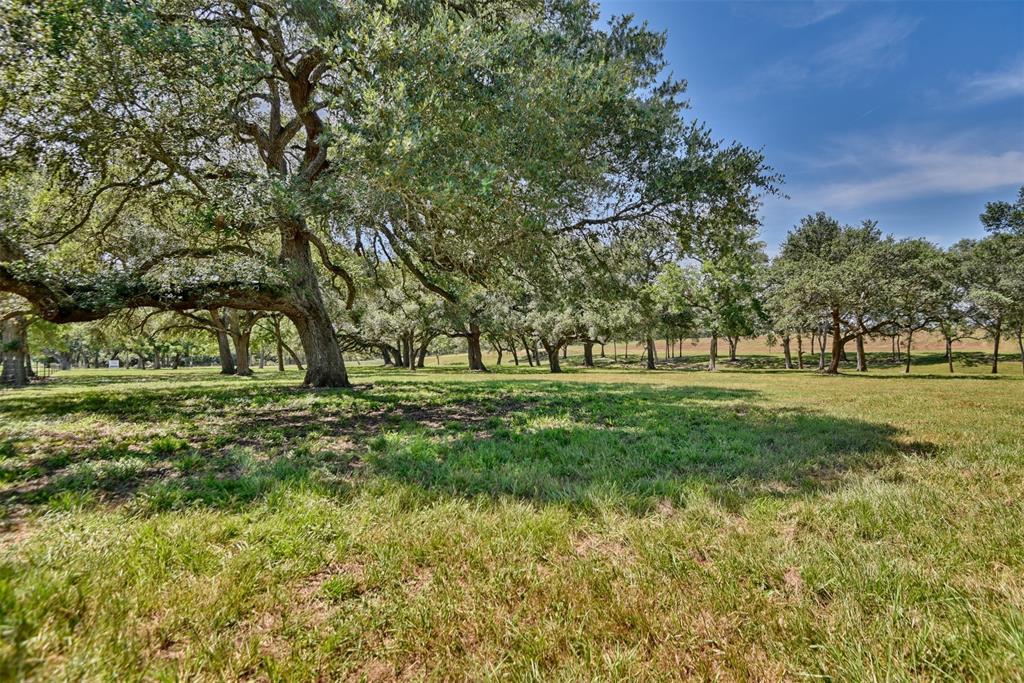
[{"x": 839, "y": 285}]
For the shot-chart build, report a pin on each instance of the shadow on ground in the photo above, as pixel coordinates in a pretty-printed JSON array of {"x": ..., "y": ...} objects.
[{"x": 227, "y": 444}]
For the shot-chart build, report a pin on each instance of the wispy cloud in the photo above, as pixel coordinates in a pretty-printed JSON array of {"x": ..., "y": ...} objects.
[
  {"x": 790, "y": 14},
  {"x": 995, "y": 85},
  {"x": 778, "y": 76},
  {"x": 903, "y": 171},
  {"x": 875, "y": 45}
]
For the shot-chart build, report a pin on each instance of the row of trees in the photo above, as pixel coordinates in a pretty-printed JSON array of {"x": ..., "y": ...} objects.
[
  {"x": 309, "y": 157},
  {"x": 395, "y": 178},
  {"x": 150, "y": 339},
  {"x": 849, "y": 283},
  {"x": 830, "y": 285}
]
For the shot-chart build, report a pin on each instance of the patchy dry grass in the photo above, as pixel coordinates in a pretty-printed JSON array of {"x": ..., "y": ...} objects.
[{"x": 611, "y": 524}]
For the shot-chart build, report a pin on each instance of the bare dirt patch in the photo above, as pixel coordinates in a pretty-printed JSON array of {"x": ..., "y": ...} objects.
[{"x": 593, "y": 546}]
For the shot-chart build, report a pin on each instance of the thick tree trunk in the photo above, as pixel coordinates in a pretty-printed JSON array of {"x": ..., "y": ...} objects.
[
  {"x": 408, "y": 349},
  {"x": 501, "y": 353},
  {"x": 713, "y": 353},
  {"x": 799, "y": 351},
  {"x": 837, "y": 345},
  {"x": 176, "y": 361},
  {"x": 602, "y": 350},
  {"x": 515, "y": 354},
  {"x": 475, "y": 352},
  {"x": 995, "y": 350},
  {"x": 552, "y": 350},
  {"x": 949, "y": 354},
  {"x": 386, "y": 353},
  {"x": 786, "y": 353},
  {"x": 910, "y": 338},
  {"x": 650, "y": 353},
  {"x": 227, "y": 363},
  {"x": 733, "y": 342},
  {"x": 1020, "y": 345},
  {"x": 396, "y": 353},
  {"x": 588, "y": 353},
  {"x": 421, "y": 355},
  {"x": 325, "y": 366},
  {"x": 862, "y": 359},
  {"x": 13, "y": 342},
  {"x": 565, "y": 350},
  {"x": 242, "y": 353}
]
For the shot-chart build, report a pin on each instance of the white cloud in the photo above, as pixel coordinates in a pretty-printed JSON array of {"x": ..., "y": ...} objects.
[
  {"x": 916, "y": 171},
  {"x": 778, "y": 76},
  {"x": 877, "y": 44},
  {"x": 790, "y": 14},
  {"x": 995, "y": 85}
]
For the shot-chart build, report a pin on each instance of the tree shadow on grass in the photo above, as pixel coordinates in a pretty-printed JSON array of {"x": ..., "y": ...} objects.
[
  {"x": 639, "y": 445},
  {"x": 574, "y": 444},
  {"x": 493, "y": 370}
]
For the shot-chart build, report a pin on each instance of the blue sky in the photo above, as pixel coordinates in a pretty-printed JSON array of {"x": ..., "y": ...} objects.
[{"x": 908, "y": 113}]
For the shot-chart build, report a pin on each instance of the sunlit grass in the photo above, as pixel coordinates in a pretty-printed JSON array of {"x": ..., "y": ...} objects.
[{"x": 608, "y": 523}]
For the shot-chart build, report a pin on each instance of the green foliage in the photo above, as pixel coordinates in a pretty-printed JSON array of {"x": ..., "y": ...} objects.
[
  {"x": 166, "y": 445},
  {"x": 994, "y": 271},
  {"x": 1004, "y": 217}
]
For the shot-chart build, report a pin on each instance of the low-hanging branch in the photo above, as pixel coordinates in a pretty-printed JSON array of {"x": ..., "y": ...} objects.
[{"x": 62, "y": 299}]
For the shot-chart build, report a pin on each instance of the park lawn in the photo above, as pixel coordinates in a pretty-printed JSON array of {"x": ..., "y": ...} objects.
[{"x": 605, "y": 524}]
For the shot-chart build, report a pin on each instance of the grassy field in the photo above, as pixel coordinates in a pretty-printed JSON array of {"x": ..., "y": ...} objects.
[{"x": 608, "y": 524}]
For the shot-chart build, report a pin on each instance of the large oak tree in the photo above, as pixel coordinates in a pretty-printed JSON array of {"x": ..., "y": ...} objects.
[{"x": 197, "y": 154}]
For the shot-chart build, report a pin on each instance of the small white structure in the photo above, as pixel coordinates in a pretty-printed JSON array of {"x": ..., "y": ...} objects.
[{"x": 113, "y": 363}]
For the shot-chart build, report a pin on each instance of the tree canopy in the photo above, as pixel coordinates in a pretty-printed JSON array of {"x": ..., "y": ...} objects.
[{"x": 187, "y": 155}]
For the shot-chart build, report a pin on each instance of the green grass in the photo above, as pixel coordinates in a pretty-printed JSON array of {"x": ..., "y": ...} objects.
[{"x": 608, "y": 524}]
